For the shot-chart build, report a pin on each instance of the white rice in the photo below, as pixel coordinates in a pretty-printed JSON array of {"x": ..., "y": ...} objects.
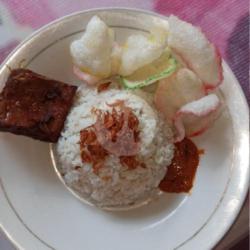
[{"x": 124, "y": 186}]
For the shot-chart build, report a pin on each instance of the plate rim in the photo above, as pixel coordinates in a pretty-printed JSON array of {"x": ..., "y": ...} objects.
[{"x": 235, "y": 213}]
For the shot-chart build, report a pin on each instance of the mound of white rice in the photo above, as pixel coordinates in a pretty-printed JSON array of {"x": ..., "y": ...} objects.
[{"x": 124, "y": 186}]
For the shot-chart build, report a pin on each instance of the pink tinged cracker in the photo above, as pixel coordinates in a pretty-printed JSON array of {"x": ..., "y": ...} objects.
[
  {"x": 196, "y": 117},
  {"x": 83, "y": 76},
  {"x": 177, "y": 90},
  {"x": 199, "y": 55}
]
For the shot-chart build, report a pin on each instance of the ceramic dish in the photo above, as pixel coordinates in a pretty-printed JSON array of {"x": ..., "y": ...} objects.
[{"x": 37, "y": 212}]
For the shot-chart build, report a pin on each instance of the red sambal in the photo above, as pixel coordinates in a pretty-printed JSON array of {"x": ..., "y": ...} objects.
[{"x": 180, "y": 174}]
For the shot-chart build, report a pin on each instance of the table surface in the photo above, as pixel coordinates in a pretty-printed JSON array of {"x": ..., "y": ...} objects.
[{"x": 226, "y": 23}]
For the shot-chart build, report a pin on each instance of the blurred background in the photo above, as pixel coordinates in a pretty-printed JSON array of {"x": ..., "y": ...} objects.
[{"x": 225, "y": 22}]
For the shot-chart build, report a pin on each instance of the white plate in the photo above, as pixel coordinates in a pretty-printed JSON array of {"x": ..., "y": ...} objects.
[{"x": 36, "y": 210}]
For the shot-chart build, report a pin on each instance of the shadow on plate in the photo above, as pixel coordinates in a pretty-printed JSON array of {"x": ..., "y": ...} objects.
[
  {"x": 165, "y": 204},
  {"x": 217, "y": 141}
]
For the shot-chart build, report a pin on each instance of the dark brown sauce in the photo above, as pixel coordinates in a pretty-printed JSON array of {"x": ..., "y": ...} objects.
[{"x": 181, "y": 173}]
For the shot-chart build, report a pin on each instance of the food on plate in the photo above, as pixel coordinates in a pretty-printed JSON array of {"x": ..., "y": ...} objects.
[
  {"x": 175, "y": 61},
  {"x": 177, "y": 90},
  {"x": 115, "y": 133},
  {"x": 140, "y": 50},
  {"x": 90, "y": 79},
  {"x": 197, "y": 52},
  {"x": 195, "y": 117},
  {"x": 34, "y": 105},
  {"x": 182, "y": 99},
  {"x": 115, "y": 147},
  {"x": 97, "y": 56},
  {"x": 92, "y": 52},
  {"x": 161, "y": 68},
  {"x": 181, "y": 172},
  {"x": 125, "y": 136}
]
